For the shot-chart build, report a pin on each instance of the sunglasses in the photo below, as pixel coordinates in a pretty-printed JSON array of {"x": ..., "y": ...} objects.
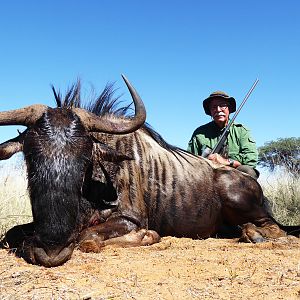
[{"x": 221, "y": 105}]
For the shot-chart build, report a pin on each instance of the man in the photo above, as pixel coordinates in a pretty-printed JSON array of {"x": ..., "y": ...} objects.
[{"x": 239, "y": 151}]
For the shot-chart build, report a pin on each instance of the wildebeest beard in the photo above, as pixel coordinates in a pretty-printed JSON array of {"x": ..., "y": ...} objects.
[{"x": 58, "y": 153}]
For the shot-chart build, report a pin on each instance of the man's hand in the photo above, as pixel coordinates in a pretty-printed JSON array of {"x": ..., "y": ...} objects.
[{"x": 218, "y": 159}]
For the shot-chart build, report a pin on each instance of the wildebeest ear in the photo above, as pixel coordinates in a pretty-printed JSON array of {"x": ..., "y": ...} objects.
[
  {"x": 109, "y": 154},
  {"x": 10, "y": 147}
]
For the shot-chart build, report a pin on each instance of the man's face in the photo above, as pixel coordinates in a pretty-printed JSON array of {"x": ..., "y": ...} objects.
[{"x": 219, "y": 111}]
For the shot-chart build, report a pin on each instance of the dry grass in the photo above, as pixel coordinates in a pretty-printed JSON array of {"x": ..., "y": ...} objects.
[
  {"x": 14, "y": 199},
  {"x": 283, "y": 192}
]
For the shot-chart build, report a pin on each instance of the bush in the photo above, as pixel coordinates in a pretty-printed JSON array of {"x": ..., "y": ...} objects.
[{"x": 285, "y": 153}]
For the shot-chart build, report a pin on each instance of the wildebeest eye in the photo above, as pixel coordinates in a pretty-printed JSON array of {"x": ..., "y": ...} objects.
[{"x": 109, "y": 154}]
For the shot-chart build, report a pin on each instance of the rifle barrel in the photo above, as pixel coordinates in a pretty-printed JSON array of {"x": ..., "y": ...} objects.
[{"x": 244, "y": 101}]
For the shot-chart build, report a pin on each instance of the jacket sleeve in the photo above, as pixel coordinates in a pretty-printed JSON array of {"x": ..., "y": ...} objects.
[
  {"x": 248, "y": 154},
  {"x": 193, "y": 146}
]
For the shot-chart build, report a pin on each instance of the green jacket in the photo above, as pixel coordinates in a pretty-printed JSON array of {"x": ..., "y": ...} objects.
[{"x": 241, "y": 146}]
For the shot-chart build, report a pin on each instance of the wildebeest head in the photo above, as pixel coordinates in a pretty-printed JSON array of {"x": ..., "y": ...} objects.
[{"x": 57, "y": 146}]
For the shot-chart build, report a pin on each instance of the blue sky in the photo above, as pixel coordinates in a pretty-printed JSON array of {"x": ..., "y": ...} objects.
[{"x": 174, "y": 52}]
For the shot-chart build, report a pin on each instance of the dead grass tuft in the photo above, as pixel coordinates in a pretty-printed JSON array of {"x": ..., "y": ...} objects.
[{"x": 283, "y": 192}]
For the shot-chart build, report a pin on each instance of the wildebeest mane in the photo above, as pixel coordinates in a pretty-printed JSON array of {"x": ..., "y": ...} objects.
[
  {"x": 72, "y": 97},
  {"x": 162, "y": 142},
  {"x": 107, "y": 104},
  {"x": 158, "y": 138}
]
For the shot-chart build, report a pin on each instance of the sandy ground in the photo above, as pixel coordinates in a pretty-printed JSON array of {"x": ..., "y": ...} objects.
[{"x": 172, "y": 269}]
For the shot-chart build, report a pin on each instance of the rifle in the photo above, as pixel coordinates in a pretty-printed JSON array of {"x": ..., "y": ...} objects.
[{"x": 217, "y": 148}]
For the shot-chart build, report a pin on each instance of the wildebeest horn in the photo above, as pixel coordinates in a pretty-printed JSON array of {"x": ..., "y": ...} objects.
[
  {"x": 93, "y": 122},
  {"x": 23, "y": 116},
  {"x": 12, "y": 146}
]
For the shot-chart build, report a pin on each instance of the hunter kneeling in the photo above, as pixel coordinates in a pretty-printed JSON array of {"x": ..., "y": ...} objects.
[{"x": 238, "y": 147}]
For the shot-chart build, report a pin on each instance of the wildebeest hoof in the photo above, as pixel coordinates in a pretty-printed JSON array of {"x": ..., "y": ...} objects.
[
  {"x": 148, "y": 237},
  {"x": 251, "y": 234},
  {"x": 259, "y": 240},
  {"x": 255, "y": 238}
]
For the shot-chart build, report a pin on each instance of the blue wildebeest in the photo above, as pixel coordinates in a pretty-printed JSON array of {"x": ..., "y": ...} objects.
[{"x": 97, "y": 177}]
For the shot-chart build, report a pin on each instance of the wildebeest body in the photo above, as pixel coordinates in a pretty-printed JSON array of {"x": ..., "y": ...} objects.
[{"x": 158, "y": 186}]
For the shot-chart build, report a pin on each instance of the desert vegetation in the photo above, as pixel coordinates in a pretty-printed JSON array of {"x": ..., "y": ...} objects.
[
  {"x": 282, "y": 189},
  {"x": 14, "y": 199},
  {"x": 280, "y": 160}
]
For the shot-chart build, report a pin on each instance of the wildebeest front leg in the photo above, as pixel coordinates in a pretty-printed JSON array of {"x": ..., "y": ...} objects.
[{"x": 118, "y": 232}]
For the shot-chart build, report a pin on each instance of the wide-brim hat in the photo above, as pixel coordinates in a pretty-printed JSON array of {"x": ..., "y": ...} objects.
[{"x": 219, "y": 94}]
